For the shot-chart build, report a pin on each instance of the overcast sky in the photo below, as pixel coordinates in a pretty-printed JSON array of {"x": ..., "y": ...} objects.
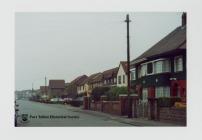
[{"x": 67, "y": 45}]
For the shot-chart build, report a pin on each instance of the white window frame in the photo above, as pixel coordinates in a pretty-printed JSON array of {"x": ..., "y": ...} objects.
[
  {"x": 175, "y": 63},
  {"x": 124, "y": 79},
  {"x": 133, "y": 71},
  {"x": 162, "y": 91},
  {"x": 163, "y": 60}
]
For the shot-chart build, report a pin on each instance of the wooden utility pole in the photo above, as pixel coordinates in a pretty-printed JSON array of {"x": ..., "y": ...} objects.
[
  {"x": 45, "y": 87},
  {"x": 32, "y": 88},
  {"x": 128, "y": 66}
]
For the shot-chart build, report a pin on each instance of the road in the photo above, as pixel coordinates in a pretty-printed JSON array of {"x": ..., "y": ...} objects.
[{"x": 40, "y": 114}]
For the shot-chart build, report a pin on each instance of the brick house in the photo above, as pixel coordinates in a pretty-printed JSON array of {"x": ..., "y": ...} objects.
[
  {"x": 161, "y": 70},
  {"x": 43, "y": 89},
  {"x": 91, "y": 82},
  {"x": 56, "y": 88},
  {"x": 122, "y": 74},
  {"x": 110, "y": 77},
  {"x": 96, "y": 81},
  {"x": 73, "y": 88}
]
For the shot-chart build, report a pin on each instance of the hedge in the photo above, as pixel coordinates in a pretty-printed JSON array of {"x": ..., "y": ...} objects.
[
  {"x": 168, "y": 101},
  {"x": 98, "y": 92}
]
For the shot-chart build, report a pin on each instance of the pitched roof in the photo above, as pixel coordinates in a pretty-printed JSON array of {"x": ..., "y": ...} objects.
[
  {"x": 173, "y": 41},
  {"x": 124, "y": 65},
  {"x": 97, "y": 78},
  {"x": 56, "y": 83},
  {"x": 88, "y": 79},
  {"x": 110, "y": 73},
  {"x": 79, "y": 80}
]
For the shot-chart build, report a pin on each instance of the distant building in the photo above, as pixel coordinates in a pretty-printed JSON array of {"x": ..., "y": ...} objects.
[
  {"x": 43, "y": 89},
  {"x": 122, "y": 74},
  {"x": 73, "y": 88},
  {"x": 110, "y": 77},
  {"x": 161, "y": 70},
  {"x": 96, "y": 81},
  {"x": 56, "y": 88},
  {"x": 91, "y": 82}
]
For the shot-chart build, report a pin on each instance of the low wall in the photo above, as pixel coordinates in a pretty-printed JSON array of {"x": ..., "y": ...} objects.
[
  {"x": 173, "y": 114},
  {"x": 96, "y": 106},
  {"x": 112, "y": 107}
]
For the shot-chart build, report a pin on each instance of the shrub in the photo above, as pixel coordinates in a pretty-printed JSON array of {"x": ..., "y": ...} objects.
[
  {"x": 114, "y": 92},
  {"x": 98, "y": 92},
  {"x": 168, "y": 102}
]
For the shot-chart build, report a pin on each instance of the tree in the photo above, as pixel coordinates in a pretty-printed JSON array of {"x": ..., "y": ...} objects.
[{"x": 114, "y": 92}]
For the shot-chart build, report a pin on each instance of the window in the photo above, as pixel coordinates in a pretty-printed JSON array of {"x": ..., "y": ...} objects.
[
  {"x": 119, "y": 79},
  {"x": 143, "y": 70},
  {"x": 105, "y": 82},
  {"x": 149, "y": 68},
  {"x": 166, "y": 66},
  {"x": 133, "y": 74},
  {"x": 162, "y": 66},
  {"x": 162, "y": 92},
  {"x": 158, "y": 66},
  {"x": 178, "y": 63},
  {"x": 123, "y": 78},
  {"x": 139, "y": 71},
  {"x": 114, "y": 80}
]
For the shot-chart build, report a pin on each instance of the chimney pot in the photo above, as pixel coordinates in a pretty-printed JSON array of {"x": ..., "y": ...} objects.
[{"x": 184, "y": 19}]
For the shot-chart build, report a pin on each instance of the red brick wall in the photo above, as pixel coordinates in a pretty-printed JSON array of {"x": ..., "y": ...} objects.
[
  {"x": 173, "y": 114},
  {"x": 96, "y": 106},
  {"x": 112, "y": 107}
]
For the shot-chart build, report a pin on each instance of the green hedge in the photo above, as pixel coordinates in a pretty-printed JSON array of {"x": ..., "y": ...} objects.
[
  {"x": 98, "y": 92},
  {"x": 114, "y": 92},
  {"x": 168, "y": 101}
]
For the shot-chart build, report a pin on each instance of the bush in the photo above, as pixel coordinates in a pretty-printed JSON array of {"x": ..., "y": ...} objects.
[
  {"x": 113, "y": 93},
  {"x": 168, "y": 102},
  {"x": 98, "y": 92}
]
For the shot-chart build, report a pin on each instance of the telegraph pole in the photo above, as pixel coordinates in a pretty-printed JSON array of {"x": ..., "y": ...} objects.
[
  {"x": 128, "y": 67},
  {"x": 32, "y": 88},
  {"x": 45, "y": 86}
]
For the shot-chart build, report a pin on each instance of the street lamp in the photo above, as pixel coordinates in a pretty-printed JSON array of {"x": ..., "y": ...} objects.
[{"x": 128, "y": 67}]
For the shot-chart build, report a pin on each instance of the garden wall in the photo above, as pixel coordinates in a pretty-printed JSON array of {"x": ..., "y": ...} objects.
[
  {"x": 111, "y": 107},
  {"x": 173, "y": 114},
  {"x": 96, "y": 106}
]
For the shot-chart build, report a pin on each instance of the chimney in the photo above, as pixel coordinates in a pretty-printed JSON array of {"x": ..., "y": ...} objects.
[{"x": 184, "y": 19}]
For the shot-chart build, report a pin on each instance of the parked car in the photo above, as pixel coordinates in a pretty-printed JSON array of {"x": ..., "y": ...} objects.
[
  {"x": 77, "y": 102},
  {"x": 57, "y": 100},
  {"x": 67, "y": 100}
]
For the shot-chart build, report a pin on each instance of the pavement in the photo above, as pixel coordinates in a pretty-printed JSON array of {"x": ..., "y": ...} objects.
[
  {"x": 126, "y": 120},
  {"x": 38, "y": 114}
]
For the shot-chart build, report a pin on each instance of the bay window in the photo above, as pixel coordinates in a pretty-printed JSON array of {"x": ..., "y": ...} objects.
[
  {"x": 143, "y": 70},
  {"x": 162, "y": 92},
  {"x": 133, "y": 74},
  {"x": 162, "y": 66},
  {"x": 178, "y": 63}
]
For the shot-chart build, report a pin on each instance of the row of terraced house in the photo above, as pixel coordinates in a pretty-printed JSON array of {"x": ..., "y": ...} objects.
[{"x": 158, "y": 72}]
